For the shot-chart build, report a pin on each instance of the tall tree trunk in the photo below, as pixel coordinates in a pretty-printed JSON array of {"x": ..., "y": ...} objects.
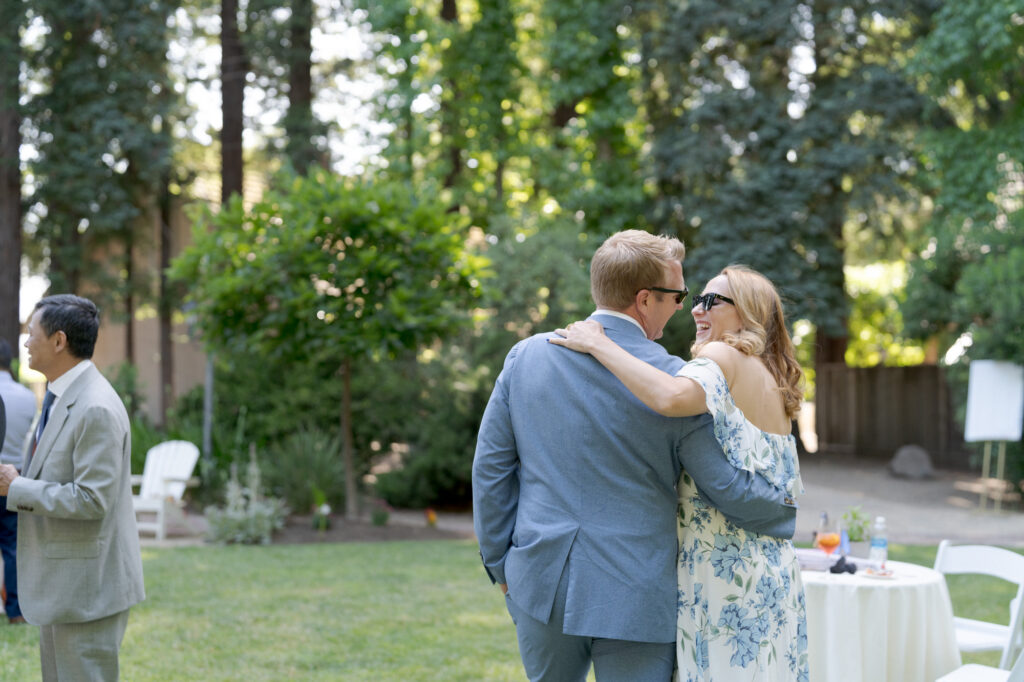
[
  {"x": 164, "y": 305},
  {"x": 347, "y": 447},
  {"x": 129, "y": 302},
  {"x": 233, "y": 68},
  {"x": 449, "y": 113},
  {"x": 10, "y": 171},
  {"x": 299, "y": 124}
]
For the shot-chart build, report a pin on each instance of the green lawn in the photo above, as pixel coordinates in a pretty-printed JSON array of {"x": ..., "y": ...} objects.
[
  {"x": 973, "y": 596},
  {"x": 379, "y": 612}
]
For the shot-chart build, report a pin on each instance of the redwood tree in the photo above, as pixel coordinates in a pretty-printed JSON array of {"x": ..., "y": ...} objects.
[{"x": 11, "y": 19}]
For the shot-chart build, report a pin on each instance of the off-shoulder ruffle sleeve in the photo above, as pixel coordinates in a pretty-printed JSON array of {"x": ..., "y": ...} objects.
[{"x": 708, "y": 375}]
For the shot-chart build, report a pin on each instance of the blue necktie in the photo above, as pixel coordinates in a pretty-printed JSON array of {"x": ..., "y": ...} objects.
[{"x": 47, "y": 402}]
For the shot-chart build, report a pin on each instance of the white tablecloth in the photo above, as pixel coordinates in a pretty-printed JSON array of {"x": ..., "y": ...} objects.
[{"x": 879, "y": 630}]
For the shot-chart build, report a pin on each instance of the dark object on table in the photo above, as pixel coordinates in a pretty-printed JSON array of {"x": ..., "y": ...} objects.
[{"x": 843, "y": 566}]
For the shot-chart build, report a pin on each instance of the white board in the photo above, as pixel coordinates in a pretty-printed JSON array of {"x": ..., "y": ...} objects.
[{"x": 995, "y": 401}]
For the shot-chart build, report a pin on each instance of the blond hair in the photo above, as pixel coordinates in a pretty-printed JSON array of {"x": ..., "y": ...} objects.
[
  {"x": 764, "y": 333},
  {"x": 629, "y": 261}
]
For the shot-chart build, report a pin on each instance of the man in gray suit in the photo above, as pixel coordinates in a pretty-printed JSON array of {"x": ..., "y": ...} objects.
[
  {"x": 574, "y": 484},
  {"x": 79, "y": 565}
]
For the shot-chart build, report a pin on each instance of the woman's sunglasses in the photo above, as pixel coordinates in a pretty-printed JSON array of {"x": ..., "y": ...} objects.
[{"x": 709, "y": 301}]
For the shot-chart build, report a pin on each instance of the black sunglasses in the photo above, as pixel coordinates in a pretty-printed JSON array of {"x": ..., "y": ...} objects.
[
  {"x": 709, "y": 301},
  {"x": 680, "y": 294}
]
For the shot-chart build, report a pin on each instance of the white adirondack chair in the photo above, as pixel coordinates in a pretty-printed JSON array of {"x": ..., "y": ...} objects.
[{"x": 166, "y": 474}]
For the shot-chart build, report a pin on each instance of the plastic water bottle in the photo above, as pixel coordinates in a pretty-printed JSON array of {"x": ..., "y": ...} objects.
[{"x": 879, "y": 543}]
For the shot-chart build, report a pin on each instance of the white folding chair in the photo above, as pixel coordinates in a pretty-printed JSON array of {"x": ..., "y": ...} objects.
[
  {"x": 972, "y": 672},
  {"x": 165, "y": 475},
  {"x": 977, "y": 635}
]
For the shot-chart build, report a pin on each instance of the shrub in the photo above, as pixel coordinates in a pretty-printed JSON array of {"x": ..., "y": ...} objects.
[
  {"x": 144, "y": 436},
  {"x": 300, "y": 464},
  {"x": 436, "y": 477},
  {"x": 247, "y": 517},
  {"x": 380, "y": 513}
]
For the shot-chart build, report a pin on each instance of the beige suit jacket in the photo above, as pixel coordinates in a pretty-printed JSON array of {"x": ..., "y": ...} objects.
[{"x": 78, "y": 546}]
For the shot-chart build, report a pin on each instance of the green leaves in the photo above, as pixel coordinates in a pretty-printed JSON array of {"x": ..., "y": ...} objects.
[
  {"x": 100, "y": 122},
  {"x": 344, "y": 267},
  {"x": 773, "y": 124},
  {"x": 965, "y": 278}
]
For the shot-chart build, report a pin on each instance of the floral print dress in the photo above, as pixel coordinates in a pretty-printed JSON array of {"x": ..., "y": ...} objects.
[{"x": 741, "y": 600}]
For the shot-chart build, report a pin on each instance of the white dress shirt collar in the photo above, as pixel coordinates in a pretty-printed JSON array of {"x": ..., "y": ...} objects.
[
  {"x": 61, "y": 384},
  {"x": 624, "y": 316}
]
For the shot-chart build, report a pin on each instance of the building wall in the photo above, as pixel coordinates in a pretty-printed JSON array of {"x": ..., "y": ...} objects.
[{"x": 188, "y": 358}]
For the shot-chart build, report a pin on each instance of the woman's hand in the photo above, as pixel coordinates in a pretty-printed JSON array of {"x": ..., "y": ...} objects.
[{"x": 585, "y": 336}]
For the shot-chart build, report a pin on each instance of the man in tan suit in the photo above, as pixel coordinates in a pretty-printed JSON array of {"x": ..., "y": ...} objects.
[{"x": 79, "y": 565}]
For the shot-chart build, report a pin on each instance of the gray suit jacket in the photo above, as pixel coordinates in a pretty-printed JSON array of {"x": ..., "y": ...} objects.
[
  {"x": 78, "y": 546},
  {"x": 573, "y": 473}
]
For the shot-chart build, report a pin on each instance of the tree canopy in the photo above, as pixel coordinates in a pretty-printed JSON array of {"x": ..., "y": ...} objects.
[
  {"x": 967, "y": 277},
  {"x": 329, "y": 268},
  {"x": 799, "y": 138}
]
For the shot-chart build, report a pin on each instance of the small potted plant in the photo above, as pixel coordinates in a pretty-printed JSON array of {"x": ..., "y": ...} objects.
[{"x": 857, "y": 524}]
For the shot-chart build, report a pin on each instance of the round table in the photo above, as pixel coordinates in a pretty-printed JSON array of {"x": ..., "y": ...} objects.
[{"x": 874, "y": 629}]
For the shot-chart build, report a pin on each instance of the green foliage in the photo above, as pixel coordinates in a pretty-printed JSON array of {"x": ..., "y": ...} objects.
[
  {"x": 144, "y": 437},
  {"x": 966, "y": 282},
  {"x": 278, "y": 50},
  {"x": 966, "y": 277},
  {"x": 329, "y": 267},
  {"x": 875, "y": 324},
  {"x": 439, "y": 477},
  {"x": 303, "y": 466},
  {"x": 125, "y": 380},
  {"x": 380, "y": 513},
  {"x": 991, "y": 295},
  {"x": 248, "y": 517},
  {"x": 101, "y": 124},
  {"x": 328, "y": 276},
  {"x": 765, "y": 141},
  {"x": 536, "y": 108},
  {"x": 856, "y": 523},
  {"x": 546, "y": 285}
]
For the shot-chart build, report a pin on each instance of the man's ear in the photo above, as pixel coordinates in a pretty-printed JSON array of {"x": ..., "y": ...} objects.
[
  {"x": 60, "y": 341},
  {"x": 642, "y": 302}
]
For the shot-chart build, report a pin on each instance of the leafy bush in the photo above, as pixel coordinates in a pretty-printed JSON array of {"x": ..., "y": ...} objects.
[
  {"x": 302, "y": 463},
  {"x": 248, "y": 517},
  {"x": 439, "y": 475},
  {"x": 144, "y": 436}
]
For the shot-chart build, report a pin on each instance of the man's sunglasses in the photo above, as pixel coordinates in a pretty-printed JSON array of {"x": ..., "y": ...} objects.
[
  {"x": 709, "y": 301},
  {"x": 680, "y": 295}
]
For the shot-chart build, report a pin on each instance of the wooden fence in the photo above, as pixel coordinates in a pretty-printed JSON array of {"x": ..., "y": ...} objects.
[{"x": 871, "y": 412}]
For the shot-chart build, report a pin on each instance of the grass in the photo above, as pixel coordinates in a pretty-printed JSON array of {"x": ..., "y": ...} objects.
[
  {"x": 973, "y": 596},
  {"x": 377, "y": 612},
  {"x": 360, "y": 611}
]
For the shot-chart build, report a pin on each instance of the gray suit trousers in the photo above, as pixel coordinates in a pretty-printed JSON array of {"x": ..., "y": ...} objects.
[
  {"x": 550, "y": 655},
  {"x": 82, "y": 652}
]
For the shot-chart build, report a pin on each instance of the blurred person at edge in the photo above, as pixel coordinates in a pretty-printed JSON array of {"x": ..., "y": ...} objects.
[{"x": 19, "y": 403}]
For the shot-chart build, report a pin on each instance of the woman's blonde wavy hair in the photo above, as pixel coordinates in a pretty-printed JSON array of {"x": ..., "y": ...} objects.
[{"x": 764, "y": 332}]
